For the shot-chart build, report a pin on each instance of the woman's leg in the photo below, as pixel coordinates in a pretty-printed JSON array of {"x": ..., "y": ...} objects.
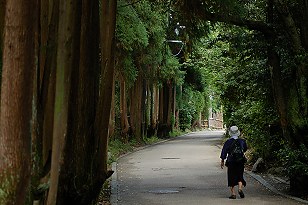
[
  {"x": 240, "y": 185},
  {"x": 233, "y": 196},
  {"x": 240, "y": 191},
  {"x": 232, "y": 190}
]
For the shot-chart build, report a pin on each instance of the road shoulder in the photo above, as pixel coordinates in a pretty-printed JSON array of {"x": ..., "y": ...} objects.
[{"x": 274, "y": 183}]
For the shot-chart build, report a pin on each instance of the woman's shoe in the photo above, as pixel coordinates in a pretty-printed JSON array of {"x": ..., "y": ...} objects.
[
  {"x": 232, "y": 197},
  {"x": 241, "y": 193}
]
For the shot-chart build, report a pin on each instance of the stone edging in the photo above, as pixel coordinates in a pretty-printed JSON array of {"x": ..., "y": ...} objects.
[{"x": 272, "y": 188}]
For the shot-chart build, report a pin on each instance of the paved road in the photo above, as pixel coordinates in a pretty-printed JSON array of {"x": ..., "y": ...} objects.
[{"x": 183, "y": 171}]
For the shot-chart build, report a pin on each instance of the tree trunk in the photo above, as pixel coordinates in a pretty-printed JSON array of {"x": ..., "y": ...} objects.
[
  {"x": 148, "y": 95},
  {"x": 171, "y": 104},
  {"x": 160, "y": 125},
  {"x": 136, "y": 112},
  {"x": 161, "y": 106},
  {"x": 47, "y": 83},
  {"x": 303, "y": 23},
  {"x": 107, "y": 43},
  {"x": 165, "y": 106},
  {"x": 156, "y": 103},
  {"x": 279, "y": 91},
  {"x": 16, "y": 101},
  {"x": 277, "y": 85},
  {"x": 297, "y": 92},
  {"x": 178, "y": 94},
  {"x": 152, "y": 129},
  {"x": 79, "y": 174},
  {"x": 36, "y": 137},
  {"x": 143, "y": 108},
  {"x": 2, "y": 12},
  {"x": 289, "y": 23},
  {"x": 170, "y": 99},
  {"x": 112, "y": 112},
  {"x": 65, "y": 63},
  {"x": 123, "y": 109}
]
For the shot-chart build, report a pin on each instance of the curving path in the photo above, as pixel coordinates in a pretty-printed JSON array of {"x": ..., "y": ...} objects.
[{"x": 183, "y": 171}]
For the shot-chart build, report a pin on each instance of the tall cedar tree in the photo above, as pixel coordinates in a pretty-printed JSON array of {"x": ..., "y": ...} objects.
[{"x": 16, "y": 100}]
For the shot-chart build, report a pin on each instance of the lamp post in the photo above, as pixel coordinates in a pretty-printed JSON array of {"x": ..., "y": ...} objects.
[{"x": 177, "y": 30}]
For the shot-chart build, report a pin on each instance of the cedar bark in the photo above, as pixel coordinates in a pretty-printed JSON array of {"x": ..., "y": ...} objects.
[
  {"x": 165, "y": 110},
  {"x": 123, "y": 109},
  {"x": 2, "y": 12},
  {"x": 170, "y": 103},
  {"x": 304, "y": 26},
  {"x": 65, "y": 62},
  {"x": 295, "y": 99},
  {"x": 16, "y": 100},
  {"x": 148, "y": 107},
  {"x": 47, "y": 86},
  {"x": 79, "y": 152},
  {"x": 112, "y": 112},
  {"x": 156, "y": 103},
  {"x": 277, "y": 84},
  {"x": 278, "y": 91},
  {"x": 143, "y": 108},
  {"x": 107, "y": 43},
  {"x": 299, "y": 90},
  {"x": 289, "y": 24},
  {"x": 136, "y": 111},
  {"x": 161, "y": 106},
  {"x": 36, "y": 137}
]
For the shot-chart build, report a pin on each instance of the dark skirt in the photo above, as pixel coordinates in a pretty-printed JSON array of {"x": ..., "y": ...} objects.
[{"x": 236, "y": 175}]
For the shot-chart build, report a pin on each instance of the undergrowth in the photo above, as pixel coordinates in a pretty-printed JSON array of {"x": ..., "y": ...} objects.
[{"x": 117, "y": 147}]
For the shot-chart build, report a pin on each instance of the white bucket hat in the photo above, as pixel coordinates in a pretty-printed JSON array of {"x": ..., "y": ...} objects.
[{"x": 234, "y": 132}]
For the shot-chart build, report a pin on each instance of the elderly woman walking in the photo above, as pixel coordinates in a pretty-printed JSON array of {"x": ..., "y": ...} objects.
[{"x": 233, "y": 150}]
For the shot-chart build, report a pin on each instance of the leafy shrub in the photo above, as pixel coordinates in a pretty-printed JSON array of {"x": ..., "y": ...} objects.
[
  {"x": 117, "y": 148},
  {"x": 151, "y": 140},
  {"x": 176, "y": 133},
  {"x": 295, "y": 160},
  {"x": 186, "y": 116}
]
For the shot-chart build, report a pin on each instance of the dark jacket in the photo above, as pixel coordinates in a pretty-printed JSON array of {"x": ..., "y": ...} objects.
[{"x": 226, "y": 148}]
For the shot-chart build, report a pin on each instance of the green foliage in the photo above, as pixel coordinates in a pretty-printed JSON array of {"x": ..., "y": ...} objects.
[
  {"x": 154, "y": 22},
  {"x": 176, "y": 133},
  {"x": 194, "y": 76},
  {"x": 141, "y": 35},
  {"x": 7, "y": 187},
  {"x": 151, "y": 140},
  {"x": 296, "y": 160},
  {"x": 116, "y": 148},
  {"x": 192, "y": 103},
  {"x": 128, "y": 68},
  {"x": 237, "y": 78},
  {"x": 131, "y": 32},
  {"x": 170, "y": 70},
  {"x": 186, "y": 116}
]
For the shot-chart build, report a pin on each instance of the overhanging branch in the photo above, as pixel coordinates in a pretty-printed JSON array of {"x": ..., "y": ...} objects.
[
  {"x": 264, "y": 28},
  {"x": 198, "y": 9}
]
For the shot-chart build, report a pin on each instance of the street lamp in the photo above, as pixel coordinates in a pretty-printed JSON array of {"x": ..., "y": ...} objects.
[
  {"x": 177, "y": 32},
  {"x": 177, "y": 41}
]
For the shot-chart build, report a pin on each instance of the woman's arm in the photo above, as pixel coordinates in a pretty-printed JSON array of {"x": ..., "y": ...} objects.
[
  {"x": 225, "y": 149},
  {"x": 244, "y": 145},
  {"x": 224, "y": 153}
]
